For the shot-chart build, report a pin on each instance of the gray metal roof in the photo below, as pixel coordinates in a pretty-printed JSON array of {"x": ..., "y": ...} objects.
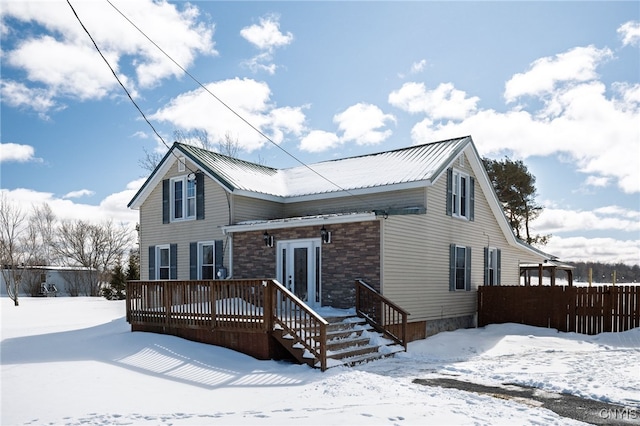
[{"x": 420, "y": 163}]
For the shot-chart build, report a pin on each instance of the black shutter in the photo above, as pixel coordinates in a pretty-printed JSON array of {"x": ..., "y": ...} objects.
[
  {"x": 452, "y": 267},
  {"x": 193, "y": 261},
  {"x": 199, "y": 196},
  {"x": 449, "y": 191},
  {"x": 486, "y": 266},
  {"x": 166, "y": 187},
  {"x": 152, "y": 263},
  {"x": 498, "y": 265},
  {"x": 219, "y": 254},
  {"x": 472, "y": 198},
  {"x": 173, "y": 266},
  {"x": 467, "y": 270}
]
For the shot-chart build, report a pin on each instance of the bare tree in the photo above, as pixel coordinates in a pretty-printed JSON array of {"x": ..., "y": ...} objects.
[
  {"x": 230, "y": 146},
  {"x": 199, "y": 138},
  {"x": 150, "y": 160},
  {"x": 12, "y": 255},
  {"x": 94, "y": 247}
]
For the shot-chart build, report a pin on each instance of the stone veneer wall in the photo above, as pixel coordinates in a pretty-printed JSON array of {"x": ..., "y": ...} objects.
[{"x": 354, "y": 252}]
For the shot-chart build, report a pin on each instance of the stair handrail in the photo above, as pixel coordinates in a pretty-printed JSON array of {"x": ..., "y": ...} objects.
[
  {"x": 292, "y": 321},
  {"x": 384, "y": 318}
]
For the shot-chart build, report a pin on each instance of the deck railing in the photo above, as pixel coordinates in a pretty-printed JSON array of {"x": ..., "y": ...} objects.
[
  {"x": 384, "y": 315},
  {"x": 300, "y": 322},
  {"x": 228, "y": 305},
  {"x": 217, "y": 304}
]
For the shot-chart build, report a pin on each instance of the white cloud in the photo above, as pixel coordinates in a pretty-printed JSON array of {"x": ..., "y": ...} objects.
[
  {"x": 248, "y": 98},
  {"x": 444, "y": 102},
  {"x": 630, "y": 33},
  {"x": 576, "y": 65},
  {"x": 113, "y": 207},
  {"x": 18, "y": 95},
  {"x": 610, "y": 218},
  {"x": 597, "y": 181},
  {"x": 577, "y": 118},
  {"x": 419, "y": 66},
  {"x": 17, "y": 153},
  {"x": 63, "y": 62},
  {"x": 319, "y": 140},
  {"x": 78, "y": 194},
  {"x": 265, "y": 36},
  {"x": 606, "y": 250},
  {"x": 362, "y": 122}
]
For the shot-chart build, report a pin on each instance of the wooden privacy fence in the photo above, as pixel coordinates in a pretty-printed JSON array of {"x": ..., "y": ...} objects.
[{"x": 586, "y": 310}]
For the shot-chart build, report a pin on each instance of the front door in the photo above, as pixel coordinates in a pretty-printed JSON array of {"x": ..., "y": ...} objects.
[{"x": 299, "y": 268}]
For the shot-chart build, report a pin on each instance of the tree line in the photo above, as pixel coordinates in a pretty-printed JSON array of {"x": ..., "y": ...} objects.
[
  {"x": 603, "y": 272},
  {"x": 29, "y": 239}
]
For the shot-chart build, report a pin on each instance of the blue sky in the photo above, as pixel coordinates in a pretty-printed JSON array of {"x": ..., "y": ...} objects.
[{"x": 556, "y": 84}]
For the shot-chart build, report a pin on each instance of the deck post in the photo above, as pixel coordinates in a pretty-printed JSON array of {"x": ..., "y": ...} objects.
[{"x": 269, "y": 297}]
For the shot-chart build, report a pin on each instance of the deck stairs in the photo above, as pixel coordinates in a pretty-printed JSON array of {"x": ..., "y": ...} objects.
[{"x": 350, "y": 341}]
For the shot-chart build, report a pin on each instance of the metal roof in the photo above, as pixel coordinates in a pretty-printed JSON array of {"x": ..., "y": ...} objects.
[{"x": 420, "y": 163}]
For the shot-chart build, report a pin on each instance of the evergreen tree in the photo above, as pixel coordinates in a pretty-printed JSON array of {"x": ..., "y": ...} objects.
[
  {"x": 516, "y": 190},
  {"x": 116, "y": 288},
  {"x": 133, "y": 267}
]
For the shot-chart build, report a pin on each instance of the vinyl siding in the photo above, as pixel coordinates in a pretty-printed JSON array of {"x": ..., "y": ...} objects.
[
  {"x": 245, "y": 208},
  {"x": 384, "y": 200},
  {"x": 154, "y": 232},
  {"x": 415, "y": 269}
]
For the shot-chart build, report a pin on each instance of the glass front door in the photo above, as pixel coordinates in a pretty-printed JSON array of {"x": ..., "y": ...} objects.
[{"x": 299, "y": 269}]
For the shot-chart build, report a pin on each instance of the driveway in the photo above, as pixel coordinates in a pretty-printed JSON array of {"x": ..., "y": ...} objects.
[{"x": 570, "y": 406}]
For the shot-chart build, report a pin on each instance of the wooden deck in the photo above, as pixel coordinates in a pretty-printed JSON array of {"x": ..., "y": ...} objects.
[{"x": 258, "y": 317}]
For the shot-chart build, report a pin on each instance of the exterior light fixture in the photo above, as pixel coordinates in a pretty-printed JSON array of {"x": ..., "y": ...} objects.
[
  {"x": 325, "y": 235},
  {"x": 268, "y": 239}
]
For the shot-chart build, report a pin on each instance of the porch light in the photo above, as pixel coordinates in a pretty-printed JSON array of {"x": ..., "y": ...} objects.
[
  {"x": 268, "y": 239},
  {"x": 325, "y": 235}
]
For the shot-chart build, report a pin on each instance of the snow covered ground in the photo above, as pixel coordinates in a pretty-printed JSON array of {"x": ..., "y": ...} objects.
[{"x": 75, "y": 361}]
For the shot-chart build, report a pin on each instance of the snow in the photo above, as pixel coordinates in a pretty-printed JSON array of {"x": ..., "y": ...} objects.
[{"x": 75, "y": 361}]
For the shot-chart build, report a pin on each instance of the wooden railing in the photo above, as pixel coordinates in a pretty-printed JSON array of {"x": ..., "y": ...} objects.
[
  {"x": 381, "y": 313},
  {"x": 299, "y": 321},
  {"x": 228, "y": 305},
  {"x": 219, "y": 304}
]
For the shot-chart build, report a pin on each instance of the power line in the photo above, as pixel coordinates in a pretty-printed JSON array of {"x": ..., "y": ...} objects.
[
  {"x": 234, "y": 112},
  {"x": 122, "y": 85},
  {"x": 261, "y": 133}
]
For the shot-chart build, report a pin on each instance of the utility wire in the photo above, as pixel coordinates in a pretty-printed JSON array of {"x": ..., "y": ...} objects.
[
  {"x": 123, "y": 86},
  {"x": 260, "y": 132}
]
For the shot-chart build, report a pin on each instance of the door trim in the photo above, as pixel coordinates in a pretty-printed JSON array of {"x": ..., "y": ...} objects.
[{"x": 314, "y": 275}]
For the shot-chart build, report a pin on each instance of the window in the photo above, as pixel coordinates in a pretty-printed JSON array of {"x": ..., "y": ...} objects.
[
  {"x": 205, "y": 260},
  {"x": 163, "y": 262},
  {"x": 459, "y": 268},
  {"x": 460, "y": 194},
  {"x": 491, "y": 266},
  {"x": 181, "y": 164},
  {"x": 183, "y": 198}
]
